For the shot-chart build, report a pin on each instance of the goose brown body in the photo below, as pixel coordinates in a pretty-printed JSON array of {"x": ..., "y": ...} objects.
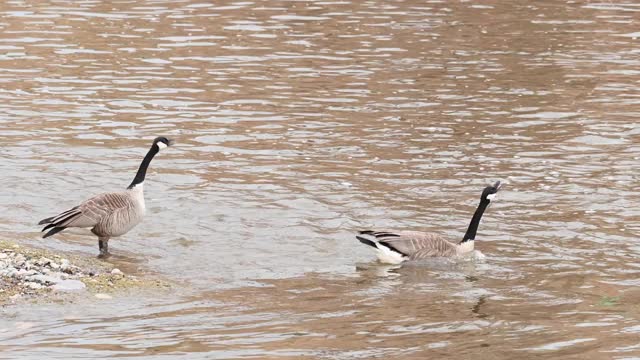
[
  {"x": 417, "y": 245},
  {"x": 108, "y": 214}
]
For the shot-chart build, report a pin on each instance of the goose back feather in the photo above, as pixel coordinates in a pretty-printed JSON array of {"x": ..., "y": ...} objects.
[
  {"x": 107, "y": 214},
  {"x": 411, "y": 245}
]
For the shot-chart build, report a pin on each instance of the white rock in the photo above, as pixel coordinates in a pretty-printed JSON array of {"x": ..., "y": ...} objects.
[
  {"x": 19, "y": 259},
  {"x": 103, "y": 296},
  {"x": 3, "y": 256},
  {"x": 66, "y": 266},
  {"x": 116, "y": 272},
  {"x": 69, "y": 285},
  {"x": 11, "y": 272},
  {"x": 44, "y": 279},
  {"x": 34, "y": 286},
  {"x": 43, "y": 261},
  {"x": 19, "y": 273}
]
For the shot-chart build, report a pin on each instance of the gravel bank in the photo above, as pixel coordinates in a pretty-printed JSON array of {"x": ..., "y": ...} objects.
[{"x": 29, "y": 273}]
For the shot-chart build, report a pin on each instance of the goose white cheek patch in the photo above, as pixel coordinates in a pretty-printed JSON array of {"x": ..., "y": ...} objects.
[
  {"x": 491, "y": 196},
  {"x": 161, "y": 145}
]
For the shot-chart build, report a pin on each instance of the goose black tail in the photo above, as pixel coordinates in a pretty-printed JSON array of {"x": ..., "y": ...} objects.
[
  {"x": 46, "y": 221},
  {"x": 59, "y": 222},
  {"x": 366, "y": 241},
  {"x": 58, "y": 218},
  {"x": 55, "y": 230}
]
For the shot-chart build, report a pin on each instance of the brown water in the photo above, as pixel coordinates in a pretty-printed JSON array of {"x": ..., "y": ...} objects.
[{"x": 299, "y": 122}]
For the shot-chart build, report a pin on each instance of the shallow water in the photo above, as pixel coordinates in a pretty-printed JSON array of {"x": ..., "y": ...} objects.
[{"x": 298, "y": 123}]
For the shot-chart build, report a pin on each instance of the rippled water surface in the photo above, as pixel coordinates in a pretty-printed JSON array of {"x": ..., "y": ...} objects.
[{"x": 298, "y": 123}]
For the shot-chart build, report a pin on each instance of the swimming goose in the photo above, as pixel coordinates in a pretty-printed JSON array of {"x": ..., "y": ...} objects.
[
  {"x": 109, "y": 214},
  {"x": 394, "y": 247}
]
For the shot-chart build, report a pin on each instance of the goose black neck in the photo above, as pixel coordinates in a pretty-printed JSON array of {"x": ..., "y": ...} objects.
[
  {"x": 475, "y": 221},
  {"x": 142, "y": 170}
]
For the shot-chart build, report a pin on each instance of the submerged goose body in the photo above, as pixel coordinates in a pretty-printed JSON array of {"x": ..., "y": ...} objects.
[
  {"x": 109, "y": 214},
  {"x": 394, "y": 247}
]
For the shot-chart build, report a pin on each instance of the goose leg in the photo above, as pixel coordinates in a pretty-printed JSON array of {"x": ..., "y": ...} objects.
[{"x": 103, "y": 244}]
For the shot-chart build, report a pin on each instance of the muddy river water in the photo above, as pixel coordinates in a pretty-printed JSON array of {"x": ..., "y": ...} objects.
[{"x": 298, "y": 123}]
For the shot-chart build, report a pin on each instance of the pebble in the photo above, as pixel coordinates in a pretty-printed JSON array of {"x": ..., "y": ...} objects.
[
  {"x": 26, "y": 273},
  {"x": 20, "y": 273},
  {"x": 34, "y": 286},
  {"x": 43, "y": 261},
  {"x": 12, "y": 273},
  {"x": 19, "y": 260},
  {"x": 44, "y": 279},
  {"x": 69, "y": 285},
  {"x": 65, "y": 266}
]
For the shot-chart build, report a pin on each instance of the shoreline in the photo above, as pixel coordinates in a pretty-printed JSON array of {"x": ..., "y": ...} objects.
[{"x": 28, "y": 273}]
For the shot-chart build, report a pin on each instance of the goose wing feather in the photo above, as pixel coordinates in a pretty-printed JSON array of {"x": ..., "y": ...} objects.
[
  {"x": 92, "y": 211},
  {"x": 99, "y": 207},
  {"x": 415, "y": 244}
]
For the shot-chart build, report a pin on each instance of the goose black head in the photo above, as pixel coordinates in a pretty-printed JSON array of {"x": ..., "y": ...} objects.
[
  {"x": 162, "y": 142},
  {"x": 490, "y": 192}
]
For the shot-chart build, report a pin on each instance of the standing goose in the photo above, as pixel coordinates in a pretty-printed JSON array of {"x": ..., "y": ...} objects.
[
  {"x": 394, "y": 247},
  {"x": 109, "y": 214}
]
